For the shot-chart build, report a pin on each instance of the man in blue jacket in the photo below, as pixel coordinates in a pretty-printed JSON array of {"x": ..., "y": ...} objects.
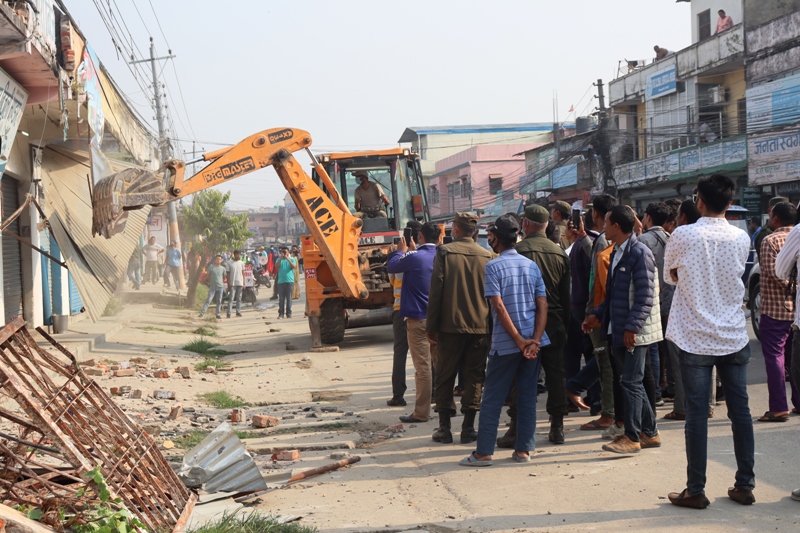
[
  {"x": 632, "y": 319},
  {"x": 416, "y": 265}
]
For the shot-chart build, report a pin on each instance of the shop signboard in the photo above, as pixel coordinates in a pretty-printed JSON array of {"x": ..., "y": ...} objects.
[
  {"x": 776, "y": 103},
  {"x": 661, "y": 83},
  {"x": 12, "y": 104},
  {"x": 751, "y": 199},
  {"x": 774, "y": 157}
]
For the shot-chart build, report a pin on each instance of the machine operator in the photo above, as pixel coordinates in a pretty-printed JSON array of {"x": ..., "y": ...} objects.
[{"x": 369, "y": 197}]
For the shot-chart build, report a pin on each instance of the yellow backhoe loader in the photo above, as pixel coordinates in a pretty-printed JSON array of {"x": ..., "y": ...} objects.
[{"x": 344, "y": 256}]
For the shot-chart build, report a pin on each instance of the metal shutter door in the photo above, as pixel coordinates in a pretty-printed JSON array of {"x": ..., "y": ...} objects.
[
  {"x": 12, "y": 255},
  {"x": 47, "y": 278},
  {"x": 75, "y": 302}
]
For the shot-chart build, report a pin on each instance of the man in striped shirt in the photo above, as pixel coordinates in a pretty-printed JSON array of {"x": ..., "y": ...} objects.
[{"x": 517, "y": 294}]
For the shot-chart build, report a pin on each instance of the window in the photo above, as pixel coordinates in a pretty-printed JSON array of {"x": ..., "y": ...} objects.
[
  {"x": 466, "y": 190},
  {"x": 433, "y": 192},
  {"x": 741, "y": 115},
  {"x": 704, "y": 25},
  {"x": 495, "y": 183}
]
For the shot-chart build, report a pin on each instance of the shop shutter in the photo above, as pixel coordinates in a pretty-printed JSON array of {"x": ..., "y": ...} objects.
[
  {"x": 47, "y": 278},
  {"x": 75, "y": 302},
  {"x": 12, "y": 255}
]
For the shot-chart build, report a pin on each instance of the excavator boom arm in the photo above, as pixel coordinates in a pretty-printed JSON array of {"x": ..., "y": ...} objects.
[{"x": 334, "y": 228}]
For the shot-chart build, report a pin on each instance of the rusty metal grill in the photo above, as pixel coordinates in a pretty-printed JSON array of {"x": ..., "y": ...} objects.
[{"x": 71, "y": 418}]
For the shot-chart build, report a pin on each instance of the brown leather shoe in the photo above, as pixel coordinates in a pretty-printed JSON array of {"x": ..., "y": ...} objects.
[
  {"x": 650, "y": 442},
  {"x": 623, "y": 445},
  {"x": 684, "y": 499},
  {"x": 743, "y": 496}
]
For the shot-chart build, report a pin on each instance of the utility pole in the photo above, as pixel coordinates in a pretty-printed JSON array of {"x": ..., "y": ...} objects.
[
  {"x": 603, "y": 142},
  {"x": 163, "y": 144}
]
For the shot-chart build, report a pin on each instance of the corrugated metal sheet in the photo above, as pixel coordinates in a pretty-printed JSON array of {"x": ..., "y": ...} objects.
[
  {"x": 221, "y": 463},
  {"x": 97, "y": 265},
  {"x": 12, "y": 254}
]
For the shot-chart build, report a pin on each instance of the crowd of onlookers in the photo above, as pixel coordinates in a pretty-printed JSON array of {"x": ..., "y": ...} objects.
[{"x": 621, "y": 313}]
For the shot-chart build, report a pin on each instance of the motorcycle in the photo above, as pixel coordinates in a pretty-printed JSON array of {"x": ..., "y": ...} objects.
[{"x": 262, "y": 278}]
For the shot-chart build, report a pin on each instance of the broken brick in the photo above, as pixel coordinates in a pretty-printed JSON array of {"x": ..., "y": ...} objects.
[
  {"x": 89, "y": 362},
  {"x": 137, "y": 394},
  {"x": 226, "y": 369},
  {"x": 395, "y": 429},
  {"x": 125, "y": 372},
  {"x": 162, "y": 373},
  {"x": 139, "y": 360},
  {"x": 94, "y": 371},
  {"x": 115, "y": 391},
  {"x": 288, "y": 455},
  {"x": 239, "y": 415},
  {"x": 184, "y": 371},
  {"x": 264, "y": 421},
  {"x": 125, "y": 389},
  {"x": 211, "y": 370},
  {"x": 175, "y": 412},
  {"x": 114, "y": 368}
]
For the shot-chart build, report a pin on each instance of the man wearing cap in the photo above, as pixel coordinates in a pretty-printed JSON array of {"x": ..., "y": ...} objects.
[
  {"x": 555, "y": 271},
  {"x": 561, "y": 215},
  {"x": 369, "y": 197},
  {"x": 767, "y": 231},
  {"x": 519, "y": 311},
  {"x": 457, "y": 323}
]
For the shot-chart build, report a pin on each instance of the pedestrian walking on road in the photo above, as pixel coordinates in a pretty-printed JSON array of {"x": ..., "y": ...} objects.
[
  {"x": 399, "y": 332},
  {"x": 786, "y": 265},
  {"x": 777, "y": 314},
  {"x": 458, "y": 316},
  {"x": 631, "y": 316},
  {"x": 554, "y": 268},
  {"x": 134, "y": 269},
  {"x": 216, "y": 285},
  {"x": 235, "y": 282},
  {"x": 151, "y": 250},
  {"x": 518, "y": 297},
  {"x": 285, "y": 272},
  {"x": 705, "y": 261},
  {"x": 416, "y": 265}
]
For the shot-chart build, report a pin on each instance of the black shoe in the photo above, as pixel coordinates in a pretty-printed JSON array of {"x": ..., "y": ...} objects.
[
  {"x": 396, "y": 402},
  {"x": 217, "y": 317},
  {"x": 556, "y": 435},
  {"x": 743, "y": 496},
  {"x": 238, "y": 314},
  {"x": 470, "y": 435},
  {"x": 445, "y": 436},
  {"x": 684, "y": 499},
  {"x": 410, "y": 419},
  {"x": 228, "y": 315}
]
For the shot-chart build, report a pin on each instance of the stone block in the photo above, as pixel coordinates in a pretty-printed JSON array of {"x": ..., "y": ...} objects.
[
  {"x": 94, "y": 371},
  {"x": 164, "y": 395},
  {"x": 264, "y": 421},
  {"x": 125, "y": 372},
  {"x": 288, "y": 455}
]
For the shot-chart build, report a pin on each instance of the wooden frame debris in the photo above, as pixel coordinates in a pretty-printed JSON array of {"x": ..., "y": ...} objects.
[{"x": 71, "y": 418}]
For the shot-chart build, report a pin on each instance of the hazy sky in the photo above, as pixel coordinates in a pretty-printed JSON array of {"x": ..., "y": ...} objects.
[{"x": 355, "y": 73}]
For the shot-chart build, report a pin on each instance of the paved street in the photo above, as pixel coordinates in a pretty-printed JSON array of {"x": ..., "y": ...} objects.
[{"x": 402, "y": 483}]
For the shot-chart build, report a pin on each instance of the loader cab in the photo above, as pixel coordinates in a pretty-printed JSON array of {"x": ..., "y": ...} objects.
[{"x": 397, "y": 172}]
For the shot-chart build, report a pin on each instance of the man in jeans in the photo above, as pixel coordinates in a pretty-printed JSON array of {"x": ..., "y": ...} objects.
[
  {"x": 235, "y": 282},
  {"x": 632, "y": 318},
  {"x": 173, "y": 265},
  {"x": 517, "y": 293},
  {"x": 416, "y": 265},
  {"x": 705, "y": 261},
  {"x": 216, "y": 285},
  {"x": 785, "y": 263},
  {"x": 285, "y": 268}
]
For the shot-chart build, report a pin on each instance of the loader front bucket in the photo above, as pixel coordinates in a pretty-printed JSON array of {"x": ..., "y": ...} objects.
[{"x": 132, "y": 188}]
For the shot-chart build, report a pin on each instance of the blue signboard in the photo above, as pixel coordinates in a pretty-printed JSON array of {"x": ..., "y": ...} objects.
[
  {"x": 565, "y": 176},
  {"x": 661, "y": 83},
  {"x": 776, "y": 103}
]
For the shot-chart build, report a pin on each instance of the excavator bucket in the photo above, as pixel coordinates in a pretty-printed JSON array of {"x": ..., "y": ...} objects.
[{"x": 112, "y": 196}]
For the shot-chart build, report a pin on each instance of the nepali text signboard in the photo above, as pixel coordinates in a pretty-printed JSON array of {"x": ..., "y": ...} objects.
[
  {"x": 774, "y": 157},
  {"x": 776, "y": 103},
  {"x": 751, "y": 199},
  {"x": 661, "y": 83},
  {"x": 697, "y": 158},
  {"x": 12, "y": 104}
]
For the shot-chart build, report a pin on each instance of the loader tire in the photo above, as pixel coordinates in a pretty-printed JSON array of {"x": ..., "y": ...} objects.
[{"x": 332, "y": 321}]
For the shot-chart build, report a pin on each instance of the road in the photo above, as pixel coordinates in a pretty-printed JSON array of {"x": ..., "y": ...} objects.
[{"x": 410, "y": 482}]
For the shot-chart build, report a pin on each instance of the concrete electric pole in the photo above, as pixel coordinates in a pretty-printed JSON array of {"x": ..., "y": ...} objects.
[
  {"x": 163, "y": 144},
  {"x": 603, "y": 142}
]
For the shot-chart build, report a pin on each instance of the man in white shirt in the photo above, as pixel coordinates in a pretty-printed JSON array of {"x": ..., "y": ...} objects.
[
  {"x": 785, "y": 265},
  {"x": 705, "y": 261},
  {"x": 235, "y": 282},
  {"x": 151, "y": 251}
]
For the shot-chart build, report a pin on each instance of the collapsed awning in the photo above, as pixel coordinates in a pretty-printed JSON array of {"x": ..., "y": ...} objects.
[{"x": 97, "y": 264}]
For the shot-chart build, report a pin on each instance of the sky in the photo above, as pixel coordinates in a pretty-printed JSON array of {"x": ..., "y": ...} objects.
[{"x": 356, "y": 73}]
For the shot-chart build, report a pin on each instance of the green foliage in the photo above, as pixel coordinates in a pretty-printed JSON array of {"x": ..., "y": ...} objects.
[
  {"x": 193, "y": 438},
  {"x": 205, "y": 347},
  {"x": 108, "y": 516},
  {"x": 254, "y": 522},
  {"x": 205, "y": 331},
  {"x": 223, "y": 400},
  {"x": 113, "y": 308},
  {"x": 212, "y": 229},
  {"x": 216, "y": 363}
]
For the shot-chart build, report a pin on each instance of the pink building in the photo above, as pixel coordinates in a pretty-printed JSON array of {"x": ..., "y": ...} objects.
[{"x": 477, "y": 178}]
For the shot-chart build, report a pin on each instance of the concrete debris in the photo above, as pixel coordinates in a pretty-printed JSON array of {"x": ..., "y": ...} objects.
[
  {"x": 338, "y": 456},
  {"x": 287, "y": 455},
  {"x": 211, "y": 370},
  {"x": 221, "y": 463},
  {"x": 184, "y": 371},
  {"x": 164, "y": 395},
  {"x": 125, "y": 372},
  {"x": 137, "y": 394},
  {"x": 94, "y": 371},
  {"x": 175, "y": 412}
]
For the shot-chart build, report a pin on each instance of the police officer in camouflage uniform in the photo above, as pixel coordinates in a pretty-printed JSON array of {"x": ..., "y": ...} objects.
[
  {"x": 457, "y": 322},
  {"x": 555, "y": 268}
]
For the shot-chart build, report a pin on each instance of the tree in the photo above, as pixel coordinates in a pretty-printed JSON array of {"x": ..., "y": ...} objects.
[{"x": 211, "y": 231}]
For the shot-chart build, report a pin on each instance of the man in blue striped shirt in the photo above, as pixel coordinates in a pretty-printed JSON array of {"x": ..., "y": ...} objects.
[{"x": 518, "y": 298}]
